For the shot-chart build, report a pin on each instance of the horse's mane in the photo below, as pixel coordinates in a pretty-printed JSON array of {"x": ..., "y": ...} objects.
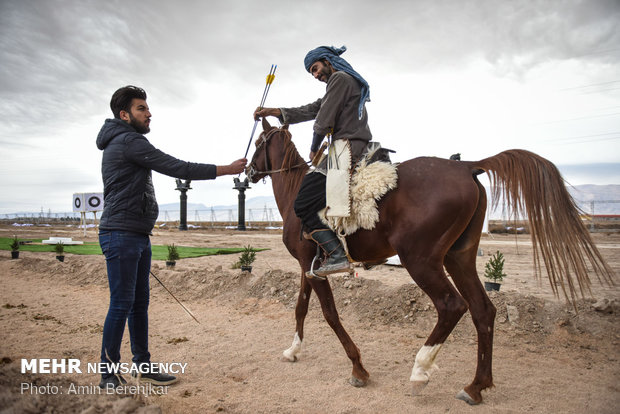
[{"x": 291, "y": 164}]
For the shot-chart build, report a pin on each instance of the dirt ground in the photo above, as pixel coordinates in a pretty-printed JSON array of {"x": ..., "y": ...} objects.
[{"x": 547, "y": 357}]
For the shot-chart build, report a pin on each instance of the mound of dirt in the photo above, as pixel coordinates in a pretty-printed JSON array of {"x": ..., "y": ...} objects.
[
  {"x": 365, "y": 300},
  {"x": 374, "y": 302}
]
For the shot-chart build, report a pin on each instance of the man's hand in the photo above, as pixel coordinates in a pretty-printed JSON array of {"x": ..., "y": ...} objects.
[
  {"x": 236, "y": 167},
  {"x": 263, "y": 112},
  {"x": 312, "y": 155}
]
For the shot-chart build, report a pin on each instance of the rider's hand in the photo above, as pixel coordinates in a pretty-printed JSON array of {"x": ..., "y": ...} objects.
[{"x": 263, "y": 112}]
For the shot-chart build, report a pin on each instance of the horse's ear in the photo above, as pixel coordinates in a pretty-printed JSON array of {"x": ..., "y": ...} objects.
[
  {"x": 285, "y": 127},
  {"x": 266, "y": 125}
]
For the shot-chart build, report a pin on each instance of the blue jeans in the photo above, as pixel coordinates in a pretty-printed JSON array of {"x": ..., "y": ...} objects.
[{"x": 128, "y": 260}]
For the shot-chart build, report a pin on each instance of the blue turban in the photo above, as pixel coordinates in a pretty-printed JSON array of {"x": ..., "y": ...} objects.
[{"x": 332, "y": 55}]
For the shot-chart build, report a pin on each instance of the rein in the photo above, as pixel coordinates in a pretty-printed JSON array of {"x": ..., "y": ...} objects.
[{"x": 283, "y": 169}]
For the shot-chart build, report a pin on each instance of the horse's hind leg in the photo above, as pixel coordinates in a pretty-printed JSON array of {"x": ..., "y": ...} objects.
[
  {"x": 301, "y": 310},
  {"x": 450, "y": 306},
  {"x": 359, "y": 375},
  {"x": 462, "y": 267}
]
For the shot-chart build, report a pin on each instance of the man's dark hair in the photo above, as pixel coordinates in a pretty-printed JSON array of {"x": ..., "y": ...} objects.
[{"x": 121, "y": 100}]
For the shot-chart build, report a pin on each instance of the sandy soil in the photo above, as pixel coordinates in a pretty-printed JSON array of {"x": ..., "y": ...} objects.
[{"x": 548, "y": 360}]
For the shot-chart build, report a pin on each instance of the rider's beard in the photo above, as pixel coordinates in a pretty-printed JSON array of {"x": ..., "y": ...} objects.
[
  {"x": 326, "y": 72},
  {"x": 138, "y": 126}
]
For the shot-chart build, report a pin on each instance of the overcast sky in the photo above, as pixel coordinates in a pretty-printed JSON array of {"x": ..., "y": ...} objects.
[{"x": 475, "y": 77}]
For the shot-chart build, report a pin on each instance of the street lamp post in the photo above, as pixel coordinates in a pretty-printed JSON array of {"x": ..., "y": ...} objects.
[
  {"x": 183, "y": 187},
  {"x": 241, "y": 186}
]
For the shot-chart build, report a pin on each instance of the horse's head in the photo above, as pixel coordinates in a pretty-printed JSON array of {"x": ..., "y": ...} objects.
[{"x": 262, "y": 163}]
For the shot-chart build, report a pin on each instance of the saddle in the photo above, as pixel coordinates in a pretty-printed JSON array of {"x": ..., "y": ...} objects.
[{"x": 371, "y": 178}]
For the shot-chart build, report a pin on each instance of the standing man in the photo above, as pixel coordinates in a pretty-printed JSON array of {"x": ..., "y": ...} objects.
[
  {"x": 341, "y": 113},
  {"x": 129, "y": 216}
]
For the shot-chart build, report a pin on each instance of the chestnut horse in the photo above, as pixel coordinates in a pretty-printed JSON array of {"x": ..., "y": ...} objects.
[{"x": 432, "y": 220}]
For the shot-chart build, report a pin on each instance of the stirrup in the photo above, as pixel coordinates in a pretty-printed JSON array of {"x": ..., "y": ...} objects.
[{"x": 310, "y": 273}]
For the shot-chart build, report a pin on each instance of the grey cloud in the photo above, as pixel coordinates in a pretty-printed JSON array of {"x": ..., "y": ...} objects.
[
  {"x": 546, "y": 31},
  {"x": 55, "y": 56},
  {"x": 66, "y": 57},
  {"x": 514, "y": 35}
]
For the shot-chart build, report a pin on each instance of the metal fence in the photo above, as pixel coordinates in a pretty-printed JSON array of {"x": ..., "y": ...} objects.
[
  {"x": 267, "y": 217},
  {"x": 262, "y": 217}
]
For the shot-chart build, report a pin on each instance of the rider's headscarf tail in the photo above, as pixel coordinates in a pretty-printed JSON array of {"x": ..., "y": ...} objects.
[{"x": 332, "y": 55}]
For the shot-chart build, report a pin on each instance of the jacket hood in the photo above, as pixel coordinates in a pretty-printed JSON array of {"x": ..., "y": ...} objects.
[{"x": 111, "y": 129}]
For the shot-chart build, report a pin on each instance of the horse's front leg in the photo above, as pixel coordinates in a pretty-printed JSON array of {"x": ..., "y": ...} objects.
[
  {"x": 301, "y": 310},
  {"x": 359, "y": 375}
]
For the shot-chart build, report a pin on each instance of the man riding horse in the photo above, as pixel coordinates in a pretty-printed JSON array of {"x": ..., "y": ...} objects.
[{"x": 341, "y": 113}]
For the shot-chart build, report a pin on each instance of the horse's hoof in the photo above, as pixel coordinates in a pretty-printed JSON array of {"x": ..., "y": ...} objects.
[
  {"x": 356, "y": 382},
  {"x": 288, "y": 358},
  {"x": 463, "y": 395},
  {"x": 418, "y": 386}
]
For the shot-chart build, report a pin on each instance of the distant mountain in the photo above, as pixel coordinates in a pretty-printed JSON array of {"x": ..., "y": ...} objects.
[
  {"x": 597, "y": 199},
  {"x": 590, "y": 198},
  {"x": 261, "y": 202},
  {"x": 250, "y": 203},
  {"x": 177, "y": 206},
  {"x": 262, "y": 208},
  {"x": 591, "y": 192}
]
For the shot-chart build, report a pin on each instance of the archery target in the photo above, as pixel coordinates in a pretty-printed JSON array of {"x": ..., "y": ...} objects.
[
  {"x": 78, "y": 202},
  {"x": 93, "y": 202}
]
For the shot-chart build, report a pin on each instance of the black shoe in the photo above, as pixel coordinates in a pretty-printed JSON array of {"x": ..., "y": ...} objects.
[
  {"x": 156, "y": 378},
  {"x": 112, "y": 381},
  {"x": 337, "y": 261}
]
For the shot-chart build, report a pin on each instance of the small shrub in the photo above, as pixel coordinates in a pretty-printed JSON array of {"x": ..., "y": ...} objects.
[
  {"x": 15, "y": 244},
  {"x": 494, "y": 268},
  {"x": 59, "y": 248},
  {"x": 247, "y": 256},
  {"x": 173, "y": 254}
]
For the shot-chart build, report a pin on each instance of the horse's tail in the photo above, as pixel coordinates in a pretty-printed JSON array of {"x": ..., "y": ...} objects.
[{"x": 532, "y": 185}]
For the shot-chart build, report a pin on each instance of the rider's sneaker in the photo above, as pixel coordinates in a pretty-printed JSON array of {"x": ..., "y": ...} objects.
[
  {"x": 156, "y": 378},
  {"x": 112, "y": 381}
]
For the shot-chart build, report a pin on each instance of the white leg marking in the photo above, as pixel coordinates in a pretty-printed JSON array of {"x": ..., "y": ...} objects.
[
  {"x": 291, "y": 353},
  {"x": 425, "y": 363}
]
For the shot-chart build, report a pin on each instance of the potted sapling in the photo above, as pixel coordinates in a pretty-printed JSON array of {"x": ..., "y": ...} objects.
[
  {"x": 15, "y": 248},
  {"x": 173, "y": 256},
  {"x": 494, "y": 272},
  {"x": 247, "y": 258},
  {"x": 59, "y": 248}
]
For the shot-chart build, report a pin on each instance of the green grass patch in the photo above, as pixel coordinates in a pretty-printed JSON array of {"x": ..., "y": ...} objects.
[
  {"x": 160, "y": 252},
  {"x": 36, "y": 246}
]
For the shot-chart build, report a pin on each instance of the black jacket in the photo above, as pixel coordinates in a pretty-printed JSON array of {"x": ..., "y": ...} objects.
[{"x": 129, "y": 195}]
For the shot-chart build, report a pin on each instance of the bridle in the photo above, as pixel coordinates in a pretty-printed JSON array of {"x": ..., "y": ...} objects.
[{"x": 264, "y": 139}]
